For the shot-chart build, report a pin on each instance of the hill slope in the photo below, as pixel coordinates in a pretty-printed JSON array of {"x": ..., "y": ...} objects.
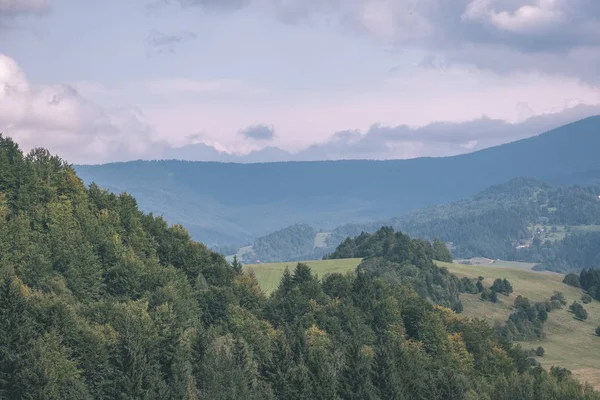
[
  {"x": 568, "y": 343},
  {"x": 235, "y": 203},
  {"x": 100, "y": 301}
]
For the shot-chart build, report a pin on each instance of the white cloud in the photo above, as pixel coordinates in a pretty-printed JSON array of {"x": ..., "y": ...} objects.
[
  {"x": 532, "y": 35},
  {"x": 59, "y": 118},
  {"x": 527, "y": 18},
  {"x": 82, "y": 123},
  {"x": 415, "y": 98}
]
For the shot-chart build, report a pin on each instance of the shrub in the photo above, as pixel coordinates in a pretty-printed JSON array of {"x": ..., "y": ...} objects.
[
  {"x": 502, "y": 286},
  {"x": 560, "y": 297},
  {"x": 572, "y": 280},
  {"x": 479, "y": 286},
  {"x": 489, "y": 295},
  {"x": 543, "y": 315},
  {"x": 556, "y": 305},
  {"x": 578, "y": 310},
  {"x": 469, "y": 286},
  {"x": 598, "y": 331},
  {"x": 540, "y": 352},
  {"x": 586, "y": 298}
]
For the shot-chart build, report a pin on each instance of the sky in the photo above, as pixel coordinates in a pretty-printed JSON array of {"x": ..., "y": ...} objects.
[{"x": 264, "y": 80}]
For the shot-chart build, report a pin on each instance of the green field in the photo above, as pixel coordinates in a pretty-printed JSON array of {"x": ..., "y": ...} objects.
[
  {"x": 569, "y": 343},
  {"x": 269, "y": 275}
]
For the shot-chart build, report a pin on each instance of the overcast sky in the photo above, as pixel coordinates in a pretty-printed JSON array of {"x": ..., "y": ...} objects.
[{"x": 111, "y": 80}]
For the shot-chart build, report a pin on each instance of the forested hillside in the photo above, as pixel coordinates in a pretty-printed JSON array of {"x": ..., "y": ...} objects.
[
  {"x": 233, "y": 204},
  {"x": 295, "y": 243},
  {"x": 521, "y": 220},
  {"x": 101, "y": 301}
]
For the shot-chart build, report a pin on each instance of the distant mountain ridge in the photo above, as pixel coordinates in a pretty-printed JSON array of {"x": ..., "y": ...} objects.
[
  {"x": 520, "y": 220},
  {"x": 373, "y": 143},
  {"x": 226, "y": 203}
]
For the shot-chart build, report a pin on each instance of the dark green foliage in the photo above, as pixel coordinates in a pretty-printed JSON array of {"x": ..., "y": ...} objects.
[
  {"x": 578, "y": 311},
  {"x": 440, "y": 251},
  {"x": 489, "y": 295},
  {"x": 598, "y": 331},
  {"x": 100, "y": 301},
  {"x": 527, "y": 321},
  {"x": 396, "y": 257},
  {"x": 16, "y": 336},
  {"x": 572, "y": 279},
  {"x": 540, "y": 352},
  {"x": 502, "y": 286},
  {"x": 560, "y": 297},
  {"x": 236, "y": 265},
  {"x": 470, "y": 287},
  {"x": 590, "y": 282},
  {"x": 479, "y": 286},
  {"x": 574, "y": 252},
  {"x": 296, "y": 242},
  {"x": 586, "y": 298}
]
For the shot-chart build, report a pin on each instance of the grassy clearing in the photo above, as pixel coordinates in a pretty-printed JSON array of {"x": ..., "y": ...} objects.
[
  {"x": 269, "y": 275},
  {"x": 585, "y": 228},
  {"x": 569, "y": 343}
]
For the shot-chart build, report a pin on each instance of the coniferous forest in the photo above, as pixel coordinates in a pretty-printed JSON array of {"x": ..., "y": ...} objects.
[{"x": 101, "y": 301}]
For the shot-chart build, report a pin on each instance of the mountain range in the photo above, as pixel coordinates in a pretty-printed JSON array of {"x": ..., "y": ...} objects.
[{"x": 231, "y": 204}]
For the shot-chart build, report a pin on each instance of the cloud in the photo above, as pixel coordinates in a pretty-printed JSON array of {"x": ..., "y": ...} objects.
[
  {"x": 396, "y": 142},
  {"x": 11, "y": 8},
  {"x": 59, "y": 118},
  {"x": 258, "y": 132},
  {"x": 167, "y": 43},
  {"x": 549, "y": 36},
  {"x": 438, "y": 138}
]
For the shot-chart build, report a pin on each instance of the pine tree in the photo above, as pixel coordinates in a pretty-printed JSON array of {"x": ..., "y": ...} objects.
[
  {"x": 440, "y": 251},
  {"x": 16, "y": 335},
  {"x": 357, "y": 376},
  {"x": 236, "y": 265}
]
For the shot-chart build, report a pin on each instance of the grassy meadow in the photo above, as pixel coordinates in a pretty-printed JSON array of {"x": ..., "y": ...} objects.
[
  {"x": 569, "y": 343},
  {"x": 269, "y": 275}
]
